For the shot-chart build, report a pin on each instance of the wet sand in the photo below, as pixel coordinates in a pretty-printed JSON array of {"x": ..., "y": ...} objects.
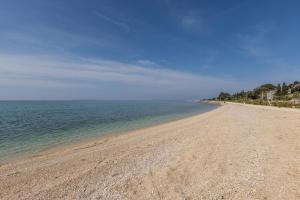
[{"x": 233, "y": 152}]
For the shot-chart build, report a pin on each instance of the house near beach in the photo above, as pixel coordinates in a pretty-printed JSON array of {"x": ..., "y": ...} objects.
[
  {"x": 289, "y": 93},
  {"x": 270, "y": 95}
]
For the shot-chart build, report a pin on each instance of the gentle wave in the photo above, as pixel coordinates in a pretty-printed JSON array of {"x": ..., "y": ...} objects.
[{"x": 30, "y": 126}]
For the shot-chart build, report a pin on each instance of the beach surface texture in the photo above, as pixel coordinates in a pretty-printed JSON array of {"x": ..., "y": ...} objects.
[{"x": 233, "y": 152}]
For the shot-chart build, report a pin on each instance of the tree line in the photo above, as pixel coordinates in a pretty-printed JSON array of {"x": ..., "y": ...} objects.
[{"x": 280, "y": 92}]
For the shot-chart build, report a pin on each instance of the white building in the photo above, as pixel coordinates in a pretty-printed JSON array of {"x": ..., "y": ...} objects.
[{"x": 270, "y": 95}]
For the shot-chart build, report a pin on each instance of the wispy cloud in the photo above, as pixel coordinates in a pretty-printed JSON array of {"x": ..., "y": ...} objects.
[
  {"x": 256, "y": 45},
  {"x": 49, "y": 39},
  {"x": 204, "y": 20},
  {"x": 146, "y": 62},
  {"x": 191, "y": 21},
  {"x": 113, "y": 21},
  {"x": 74, "y": 72}
]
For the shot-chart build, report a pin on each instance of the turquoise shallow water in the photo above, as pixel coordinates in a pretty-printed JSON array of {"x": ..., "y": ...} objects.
[{"x": 28, "y": 127}]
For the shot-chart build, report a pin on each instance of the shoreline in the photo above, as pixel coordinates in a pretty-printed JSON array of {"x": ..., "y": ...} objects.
[
  {"x": 232, "y": 152},
  {"x": 253, "y": 105},
  {"x": 92, "y": 139},
  {"x": 265, "y": 107}
]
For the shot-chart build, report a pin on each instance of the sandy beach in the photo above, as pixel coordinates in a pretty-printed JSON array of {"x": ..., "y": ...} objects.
[{"x": 233, "y": 152}]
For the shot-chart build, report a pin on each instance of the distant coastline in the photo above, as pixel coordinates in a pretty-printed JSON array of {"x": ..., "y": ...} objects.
[{"x": 282, "y": 95}]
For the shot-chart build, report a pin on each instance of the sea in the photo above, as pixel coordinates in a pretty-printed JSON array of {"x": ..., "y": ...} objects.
[{"x": 28, "y": 127}]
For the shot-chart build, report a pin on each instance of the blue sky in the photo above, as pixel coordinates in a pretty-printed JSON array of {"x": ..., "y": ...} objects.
[{"x": 164, "y": 49}]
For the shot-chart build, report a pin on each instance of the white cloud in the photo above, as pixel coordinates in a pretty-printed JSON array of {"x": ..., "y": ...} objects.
[
  {"x": 147, "y": 62},
  {"x": 258, "y": 47},
  {"x": 113, "y": 21},
  {"x": 74, "y": 72},
  {"x": 191, "y": 21},
  {"x": 254, "y": 44}
]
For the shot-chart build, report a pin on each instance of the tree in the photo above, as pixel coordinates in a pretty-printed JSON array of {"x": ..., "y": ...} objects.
[
  {"x": 223, "y": 96},
  {"x": 267, "y": 87},
  {"x": 278, "y": 90},
  {"x": 296, "y": 86},
  {"x": 252, "y": 95},
  {"x": 281, "y": 92},
  {"x": 296, "y": 94},
  {"x": 284, "y": 90}
]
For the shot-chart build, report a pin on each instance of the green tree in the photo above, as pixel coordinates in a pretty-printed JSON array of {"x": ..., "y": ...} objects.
[
  {"x": 296, "y": 86},
  {"x": 278, "y": 90},
  {"x": 267, "y": 87},
  {"x": 296, "y": 82},
  {"x": 284, "y": 90},
  {"x": 223, "y": 96},
  {"x": 296, "y": 94}
]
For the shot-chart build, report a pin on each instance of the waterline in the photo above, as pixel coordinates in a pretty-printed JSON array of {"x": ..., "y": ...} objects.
[{"x": 28, "y": 127}]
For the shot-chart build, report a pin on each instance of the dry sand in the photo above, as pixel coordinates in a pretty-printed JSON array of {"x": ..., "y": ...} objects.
[{"x": 233, "y": 152}]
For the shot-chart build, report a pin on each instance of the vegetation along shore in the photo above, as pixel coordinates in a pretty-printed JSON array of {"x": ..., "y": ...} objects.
[{"x": 282, "y": 95}]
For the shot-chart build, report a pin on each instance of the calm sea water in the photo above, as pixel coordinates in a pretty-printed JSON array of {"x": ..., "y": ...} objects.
[{"x": 31, "y": 126}]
